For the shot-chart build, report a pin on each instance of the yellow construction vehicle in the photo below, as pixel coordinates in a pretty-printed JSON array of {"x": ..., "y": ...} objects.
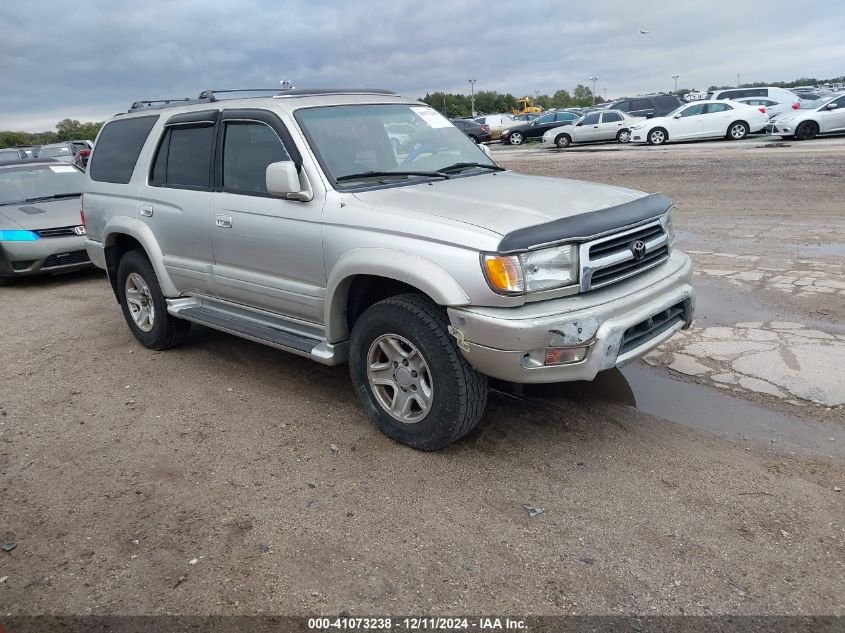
[{"x": 527, "y": 106}]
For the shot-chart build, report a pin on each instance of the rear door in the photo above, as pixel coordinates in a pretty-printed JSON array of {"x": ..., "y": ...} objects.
[
  {"x": 267, "y": 250},
  {"x": 611, "y": 124},
  {"x": 173, "y": 200},
  {"x": 717, "y": 117}
]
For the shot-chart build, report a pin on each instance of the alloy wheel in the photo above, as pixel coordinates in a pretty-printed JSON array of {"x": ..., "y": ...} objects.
[
  {"x": 400, "y": 378},
  {"x": 140, "y": 302}
]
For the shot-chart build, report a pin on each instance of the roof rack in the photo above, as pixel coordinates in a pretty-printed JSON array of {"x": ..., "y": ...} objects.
[{"x": 209, "y": 96}]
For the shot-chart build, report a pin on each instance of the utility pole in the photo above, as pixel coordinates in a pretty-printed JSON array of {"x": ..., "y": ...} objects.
[
  {"x": 472, "y": 97},
  {"x": 737, "y": 80},
  {"x": 675, "y": 77},
  {"x": 605, "y": 94},
  {"x": 594, "y": 80}
]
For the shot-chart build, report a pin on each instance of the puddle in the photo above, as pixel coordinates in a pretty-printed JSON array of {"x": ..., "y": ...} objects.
[
  {"x": 820, "y": 250},
  {"x": 702, "y": 408},
  {"x": 722, "y": 304}
]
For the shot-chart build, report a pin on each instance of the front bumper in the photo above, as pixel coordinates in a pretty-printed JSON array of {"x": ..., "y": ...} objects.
[
  {"x": 46, "y": 255},
  {"x": 780, "y": 128},
  {"x": 498, "y": 341}
]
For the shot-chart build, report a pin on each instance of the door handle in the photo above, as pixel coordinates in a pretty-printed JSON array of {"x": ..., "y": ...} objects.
[
  {"x": 223, "y": 221},
  {"x": 146, "y": 210}
]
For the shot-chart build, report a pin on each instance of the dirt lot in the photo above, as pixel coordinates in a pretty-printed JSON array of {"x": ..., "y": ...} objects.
[{"x": 201, "y": 481}]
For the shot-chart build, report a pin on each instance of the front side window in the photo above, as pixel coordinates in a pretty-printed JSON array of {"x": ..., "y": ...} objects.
[
  {"x": 591, "y": 119},
  {"x": 640, "y": 104},
  {"x": 693, "y": 110},
  {"x": 184, "y": 157},
  {"x": 248, "y": 147},
  {"x": 352, "y": 140}
]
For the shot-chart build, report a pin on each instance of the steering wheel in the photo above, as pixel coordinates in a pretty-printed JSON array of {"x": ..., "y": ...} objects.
[{"x": 416, "y": 153}]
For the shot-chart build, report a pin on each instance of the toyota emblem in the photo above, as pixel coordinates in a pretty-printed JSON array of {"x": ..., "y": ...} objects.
[{"x": 638, "y": 249}]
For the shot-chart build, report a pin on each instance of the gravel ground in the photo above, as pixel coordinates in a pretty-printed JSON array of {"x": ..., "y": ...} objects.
[{"x": 200, "y": 480}]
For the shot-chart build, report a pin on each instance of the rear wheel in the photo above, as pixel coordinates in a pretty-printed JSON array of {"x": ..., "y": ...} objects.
[
  {"x": 737, "y": 131},
  {"x": 657, "y": 136},
  {"x": 806, "y": 131},
  {"x": 410, "y": 376},
  {"x": 516, "y": 138},
  {"x": 563, "y": 140},
  {"x": 144, "y": 306},
  {"x": 623, "y": 136}
]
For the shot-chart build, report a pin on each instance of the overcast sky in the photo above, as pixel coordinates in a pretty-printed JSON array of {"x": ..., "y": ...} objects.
[{"x": 87, "y": 59}]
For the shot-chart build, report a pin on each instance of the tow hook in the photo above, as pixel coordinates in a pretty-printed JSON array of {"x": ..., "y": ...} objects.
[{"x": 459, "y": 337}]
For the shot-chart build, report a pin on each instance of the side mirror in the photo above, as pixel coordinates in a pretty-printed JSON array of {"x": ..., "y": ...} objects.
[
  {"x": 283, "y": 180},
  {"x": 677, "y": 116},
  {"x": 832, "y": 106}
]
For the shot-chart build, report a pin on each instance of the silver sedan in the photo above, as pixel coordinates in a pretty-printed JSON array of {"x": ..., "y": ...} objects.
[
  {"x": 40, "y": 226},
  {"x": 606, "y": 125}
]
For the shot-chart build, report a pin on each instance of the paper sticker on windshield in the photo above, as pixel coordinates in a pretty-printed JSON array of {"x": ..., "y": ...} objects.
[
  {"x": 432, "y": 117},
  {"x": 62, "y": 169}
]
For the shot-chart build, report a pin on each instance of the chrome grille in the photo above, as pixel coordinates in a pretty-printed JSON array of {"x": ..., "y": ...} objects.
[
  {"x": 610, "y": 259},
  {"x": 59, "y": 232}
]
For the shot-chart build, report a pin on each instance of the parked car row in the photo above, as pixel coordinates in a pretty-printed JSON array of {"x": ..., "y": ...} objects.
[{"x": 73, "y": 152}]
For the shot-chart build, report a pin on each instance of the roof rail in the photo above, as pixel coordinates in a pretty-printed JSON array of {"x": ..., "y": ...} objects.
[{"x": 209, "y": 96}]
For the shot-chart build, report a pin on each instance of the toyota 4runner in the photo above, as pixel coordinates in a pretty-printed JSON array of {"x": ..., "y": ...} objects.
[{"x": 294, "y": 221}]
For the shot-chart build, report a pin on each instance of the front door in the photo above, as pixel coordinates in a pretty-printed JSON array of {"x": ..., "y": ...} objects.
[
  {"x": 833, "y": 120},
  {"x": 267, "y": 250},
  {"x": 588, "y": 128},
  {"x": 688, "y": 123}
]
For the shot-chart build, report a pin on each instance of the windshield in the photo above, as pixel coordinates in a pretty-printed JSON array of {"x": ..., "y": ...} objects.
[
  {"x": 54, "y": 152},
  {"x": 22, "y": 184},
  {"x": 818, "y": 103},
  {"x": 396, "y": 143},
  {"x": 676, "y": 110}
]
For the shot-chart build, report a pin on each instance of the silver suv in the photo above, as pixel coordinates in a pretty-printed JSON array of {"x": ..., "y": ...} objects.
[{"x": 292, "y": 220}]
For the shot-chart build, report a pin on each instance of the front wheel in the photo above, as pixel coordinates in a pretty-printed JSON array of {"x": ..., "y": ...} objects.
[
  {"x": 623, "y": 136},
  {"x": 473, "y": 138},
  {"x": 657, "y": 136},
  {"x": 737, "y": 131},
  {"x": 516, "y": 138},
  {"x": 144, "y": 306},
  {"x": 563, "y": 140},
  {"x": 806, "y": 131},
  {"x": 410, "y": 376}
]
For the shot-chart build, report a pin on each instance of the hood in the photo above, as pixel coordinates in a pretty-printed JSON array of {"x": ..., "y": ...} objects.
[
  {"x": 502, "y": 202},
  {"x": 35, "y": 216}
]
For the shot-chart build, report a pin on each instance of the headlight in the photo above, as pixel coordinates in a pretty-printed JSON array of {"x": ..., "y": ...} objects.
[
  {"x": 639, "y": 126},
  {"x": 670, "y": 228},
  {"x": 533, "y": 271},
  {"x": 18, "y": 236}
]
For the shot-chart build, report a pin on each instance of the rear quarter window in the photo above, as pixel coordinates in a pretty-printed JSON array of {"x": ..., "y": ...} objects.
[{"x": 118, "y": 148}]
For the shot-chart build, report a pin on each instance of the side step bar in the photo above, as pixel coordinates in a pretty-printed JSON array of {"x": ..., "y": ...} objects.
[{"x": 258, "y": 326}]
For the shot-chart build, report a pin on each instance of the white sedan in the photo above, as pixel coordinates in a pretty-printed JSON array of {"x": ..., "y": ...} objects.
[
  {"x": 702, "y": 119},
  {"x": 608, "y": 125}
]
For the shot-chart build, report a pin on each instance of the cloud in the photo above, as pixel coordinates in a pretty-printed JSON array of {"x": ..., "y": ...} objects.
[{"x": 91, "y": 58}]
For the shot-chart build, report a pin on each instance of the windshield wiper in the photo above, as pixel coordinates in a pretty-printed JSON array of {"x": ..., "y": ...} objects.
[
  {"x": 459, "y": 166},
  {"x": 53, "y": 197},
  {"x": 381, "y": 174}
]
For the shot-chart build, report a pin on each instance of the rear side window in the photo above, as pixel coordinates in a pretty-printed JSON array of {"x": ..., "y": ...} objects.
[
  {"x": 611, "y": 117},
  {"x": 640, "y": 104},
  {"x": 184, "y": 157},
  {"x": 118, "y": 148}
]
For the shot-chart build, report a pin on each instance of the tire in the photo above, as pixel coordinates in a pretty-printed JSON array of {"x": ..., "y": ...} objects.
[
  {"x": 6, "y": 281},
  {"x": 737, "y": 131},
  {"x": 516, "y": 138},
  {"x": 623, "y": 136},
  {"x": 657, "y": 136},
  {"x": 806, "y": 131},
  {"x": 457, "y": 393},
  {"x": 473, "y": 138},
  {"x": 563, "y": 140},
  {"x": 160, "y": 331}
]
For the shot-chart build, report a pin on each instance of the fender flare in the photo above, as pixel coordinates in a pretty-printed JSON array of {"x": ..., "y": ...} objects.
[
  {"x": 415, "y": 270},
  {"x": 143, "y": 234}
]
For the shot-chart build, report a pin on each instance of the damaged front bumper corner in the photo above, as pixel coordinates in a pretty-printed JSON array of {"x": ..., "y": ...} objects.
[{"x": 596, "y": 330}]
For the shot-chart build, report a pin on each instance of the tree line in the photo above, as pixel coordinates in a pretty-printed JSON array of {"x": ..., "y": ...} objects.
[
  {"x": 489, "y": 101},
  {"x": 66, "y": 130},
  {"x": 803, "y": 81}
]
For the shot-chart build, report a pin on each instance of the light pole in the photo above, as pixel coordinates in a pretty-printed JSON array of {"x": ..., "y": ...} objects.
[
  {"x": 594, "y": 80},
  {"x": 675, "y": 77},
  {"x": 737, "y": 80},
  {"x": 472, "y": 93}
]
